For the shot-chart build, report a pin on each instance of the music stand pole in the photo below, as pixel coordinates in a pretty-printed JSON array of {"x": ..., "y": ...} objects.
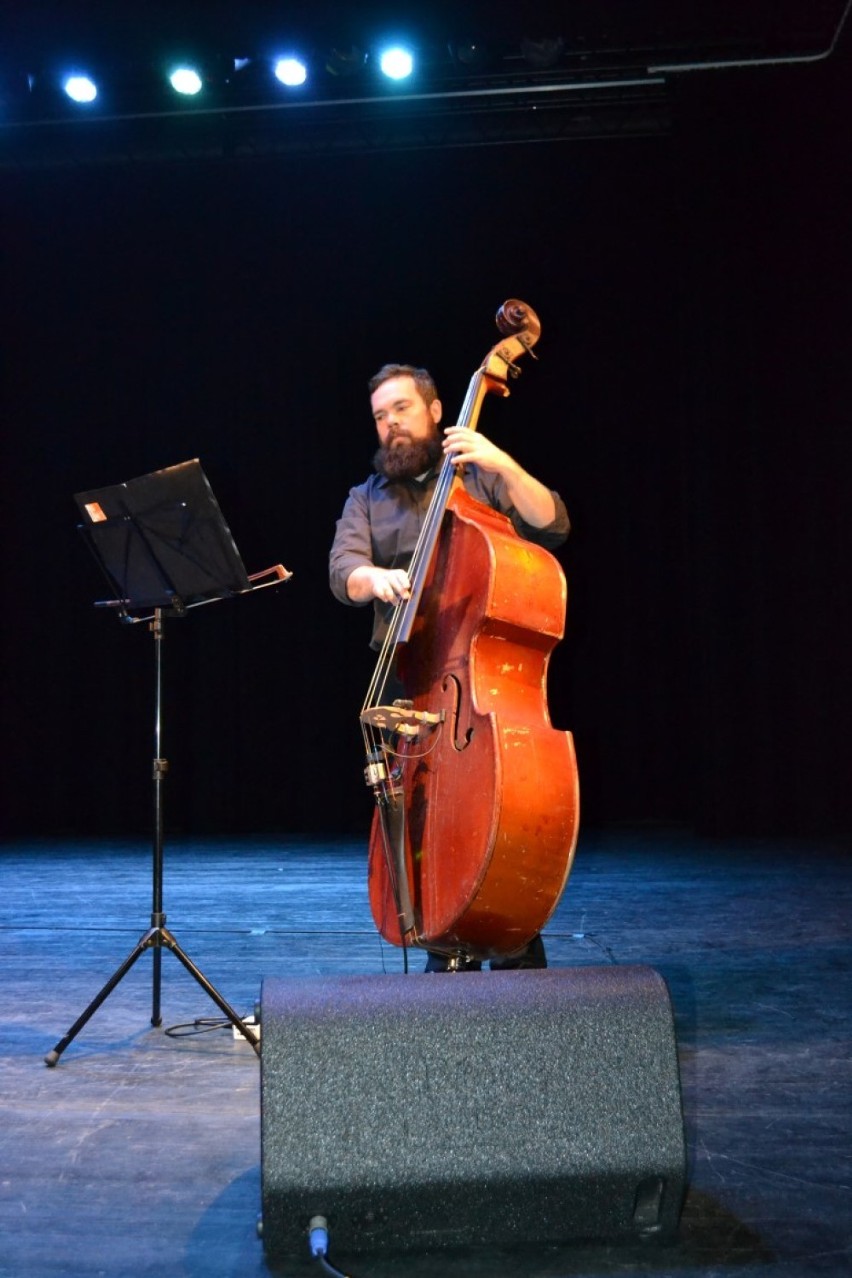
[
  {"x": 158, "y": 934},
  {"x": 160, "y": 767}
]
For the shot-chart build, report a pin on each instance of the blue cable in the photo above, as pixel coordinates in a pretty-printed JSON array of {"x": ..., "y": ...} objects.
[
  {"x": 318, "y": 1243},
  {"x": 318, "y": 1236}
]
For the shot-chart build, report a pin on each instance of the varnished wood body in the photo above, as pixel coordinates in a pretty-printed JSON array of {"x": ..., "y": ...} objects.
[{"x": 492, "y": 795}]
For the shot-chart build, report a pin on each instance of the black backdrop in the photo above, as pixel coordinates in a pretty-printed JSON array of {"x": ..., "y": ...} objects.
[{"x": 691, "y": 403}]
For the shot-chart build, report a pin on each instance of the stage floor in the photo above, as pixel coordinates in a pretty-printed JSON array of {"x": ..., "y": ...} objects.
[{"x": 139, "y": 1153}]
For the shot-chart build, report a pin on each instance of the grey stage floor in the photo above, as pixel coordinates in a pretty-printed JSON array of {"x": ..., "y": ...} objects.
[{"x": 138, "y": 1154}]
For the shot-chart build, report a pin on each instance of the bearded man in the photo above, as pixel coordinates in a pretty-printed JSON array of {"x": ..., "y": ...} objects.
[{"x": 381, "y": 520}]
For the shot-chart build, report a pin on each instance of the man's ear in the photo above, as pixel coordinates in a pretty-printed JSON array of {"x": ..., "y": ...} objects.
[{"x": 436, "y": 410}]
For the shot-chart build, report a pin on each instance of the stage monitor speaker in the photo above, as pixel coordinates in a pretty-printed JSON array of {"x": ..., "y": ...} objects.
[{"x": 416, "y": 1112}]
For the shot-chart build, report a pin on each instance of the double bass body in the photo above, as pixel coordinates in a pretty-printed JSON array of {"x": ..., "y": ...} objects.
[{"x": 488, "y": 787}]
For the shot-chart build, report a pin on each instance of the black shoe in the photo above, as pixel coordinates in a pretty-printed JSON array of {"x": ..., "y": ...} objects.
[
  {"x": 441, "y": 963},
  {"x": 532, "y": 956}
]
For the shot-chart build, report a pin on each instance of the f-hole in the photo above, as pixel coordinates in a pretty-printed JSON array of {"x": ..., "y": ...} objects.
[{"x": 460, "y": 742}]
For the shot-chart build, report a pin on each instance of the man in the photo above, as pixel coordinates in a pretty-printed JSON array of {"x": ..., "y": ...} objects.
[{"x": 381, "y": 520}]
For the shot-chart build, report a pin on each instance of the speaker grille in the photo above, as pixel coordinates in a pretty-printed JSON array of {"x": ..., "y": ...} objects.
[{"x": 425, "y": 1111}]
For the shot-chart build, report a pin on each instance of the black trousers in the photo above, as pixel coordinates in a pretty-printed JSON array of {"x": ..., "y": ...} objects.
[{"x": 532, "y": 955}]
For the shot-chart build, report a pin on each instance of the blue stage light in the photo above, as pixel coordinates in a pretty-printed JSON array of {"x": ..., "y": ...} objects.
[
  {"x": 291, "y": 71},
  {"x": 397, "y": 62},
  {"x": 185, "y": 80},
  {"x": 80, "y": 88}
]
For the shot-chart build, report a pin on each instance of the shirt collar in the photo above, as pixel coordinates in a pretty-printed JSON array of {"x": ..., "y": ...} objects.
[{"x": 420, "y": 480}]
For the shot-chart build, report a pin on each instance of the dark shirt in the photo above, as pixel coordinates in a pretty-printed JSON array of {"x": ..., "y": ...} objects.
[{"x": 381, "y": 522}]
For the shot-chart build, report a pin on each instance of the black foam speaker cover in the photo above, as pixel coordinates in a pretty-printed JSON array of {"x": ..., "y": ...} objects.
[{"x": 416, "y": 1112}]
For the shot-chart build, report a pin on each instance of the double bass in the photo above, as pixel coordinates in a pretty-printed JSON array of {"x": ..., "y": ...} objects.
[{"x": 477, "y": 794}]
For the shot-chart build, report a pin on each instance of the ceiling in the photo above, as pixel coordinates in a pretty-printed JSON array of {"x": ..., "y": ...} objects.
[{"x": 488, "y": 73}]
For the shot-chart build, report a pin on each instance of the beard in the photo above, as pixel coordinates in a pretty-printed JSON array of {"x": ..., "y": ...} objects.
[{"x": 409, "y": 458}]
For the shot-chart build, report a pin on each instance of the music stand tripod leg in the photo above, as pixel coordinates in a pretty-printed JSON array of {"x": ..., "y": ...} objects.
[
  {"x": 236, "y": 1021},
  {"x": 146, "y": 941},
  {"x": 154, "y": 938}
]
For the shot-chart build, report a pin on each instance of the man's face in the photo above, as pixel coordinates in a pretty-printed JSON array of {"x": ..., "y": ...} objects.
[{"x": 400, "y": 414}]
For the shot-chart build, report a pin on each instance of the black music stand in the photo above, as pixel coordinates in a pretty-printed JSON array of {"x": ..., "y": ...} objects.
[{"x": 163, "y": 545}]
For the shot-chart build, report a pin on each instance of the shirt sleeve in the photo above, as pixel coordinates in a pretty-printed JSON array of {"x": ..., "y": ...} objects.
[
  {"x": 352, "y": 545},
  {"x": 492, "y": 490},
  {"x": 553, "y": 534}
]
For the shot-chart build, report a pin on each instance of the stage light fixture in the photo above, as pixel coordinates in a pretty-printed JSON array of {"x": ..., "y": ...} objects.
[
  {"x": 396, "y": 62},
  {"x": 185, "y": 80},
  {"x": 473, "y": 55},
  {"x": 80, "y": 88},
  {"x": 345, "y": 60},
  {"x": 542, "y": 52},
  {"x": 290, "y": 71}
]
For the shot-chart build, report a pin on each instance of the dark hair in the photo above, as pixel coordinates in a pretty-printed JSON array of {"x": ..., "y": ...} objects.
[{"x": 421, "y": 378}]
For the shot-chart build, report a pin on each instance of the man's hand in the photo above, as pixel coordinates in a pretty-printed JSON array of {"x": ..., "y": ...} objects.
[
  {"x": 469, "y": 446},
  {"x": 533, "y": 502},
  {"x": 391, "y": 585}
]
